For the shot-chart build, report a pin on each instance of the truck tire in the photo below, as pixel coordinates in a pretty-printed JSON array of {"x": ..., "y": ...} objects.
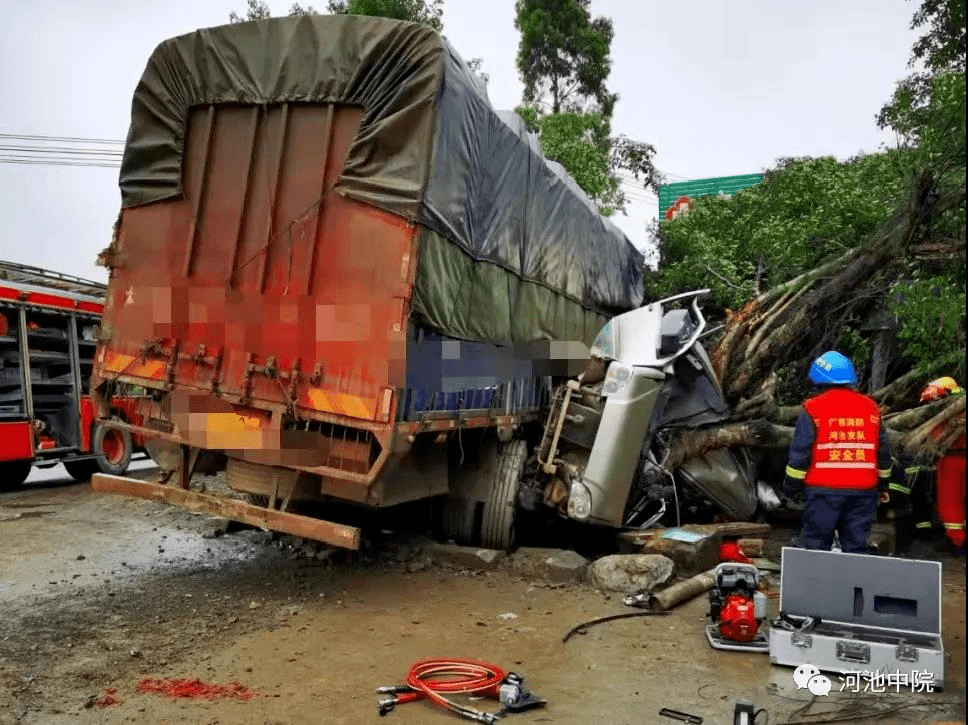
[
  {"x": 113, "y": 449},
  {"x": 13, "y": 473},
  {"x": 81, "y": 470},
  {"x": 500, "y": 509},
  {"x": 457, "y": 520}
]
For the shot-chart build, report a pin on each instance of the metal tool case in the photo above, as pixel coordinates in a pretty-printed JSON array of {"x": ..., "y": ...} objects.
[{"x": 853, "y": 613}]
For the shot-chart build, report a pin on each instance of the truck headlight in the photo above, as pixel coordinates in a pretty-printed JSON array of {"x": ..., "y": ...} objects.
[
  {"x": 579, "y": 502},
  {"x": 616, "y": 378}
]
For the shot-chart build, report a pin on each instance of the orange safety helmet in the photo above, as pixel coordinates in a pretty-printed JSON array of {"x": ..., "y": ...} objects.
[{"x": 940, "y": 388}]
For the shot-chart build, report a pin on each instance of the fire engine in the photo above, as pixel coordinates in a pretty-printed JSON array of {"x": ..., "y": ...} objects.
[{"x": 49, "y": 324}]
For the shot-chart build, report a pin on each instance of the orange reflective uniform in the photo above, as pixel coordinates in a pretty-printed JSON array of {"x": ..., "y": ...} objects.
[{"x": 845, "y": 447}]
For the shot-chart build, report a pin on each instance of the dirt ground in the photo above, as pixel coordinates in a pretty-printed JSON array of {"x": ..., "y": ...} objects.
[{"x": 98, "y": 592}]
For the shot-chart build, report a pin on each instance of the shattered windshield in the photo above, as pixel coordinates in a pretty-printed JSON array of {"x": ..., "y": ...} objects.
[{"x": 604, "y": 344}]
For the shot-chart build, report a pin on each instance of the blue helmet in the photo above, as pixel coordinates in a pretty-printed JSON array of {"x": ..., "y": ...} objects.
[{"x": 832, "y": 368}]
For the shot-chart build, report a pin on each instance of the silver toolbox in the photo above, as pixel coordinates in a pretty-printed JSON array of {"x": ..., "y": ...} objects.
[{"x": 874, "y": 620}]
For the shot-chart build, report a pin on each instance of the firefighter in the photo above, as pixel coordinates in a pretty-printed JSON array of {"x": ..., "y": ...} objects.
[
  {"x": 950, "y": 470},
  {"x": 911, "y": 501},
  {"x": 840, "y": 457}
]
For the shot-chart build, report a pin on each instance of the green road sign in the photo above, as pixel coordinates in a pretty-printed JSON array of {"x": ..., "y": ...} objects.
[{"x": 670, "y": 193}]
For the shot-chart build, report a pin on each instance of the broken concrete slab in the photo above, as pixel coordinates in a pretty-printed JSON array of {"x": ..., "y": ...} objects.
[
  {"x": 465, "y": 557},
  {"x": 732, "y": 529},
  {"x": 559, "y": 566},
  {"x": 690, "y": 557},
  {"x": 630, "y": 573}
]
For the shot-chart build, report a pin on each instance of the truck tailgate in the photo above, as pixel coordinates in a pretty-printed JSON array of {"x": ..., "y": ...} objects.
[{"x": 260, "y": 281}]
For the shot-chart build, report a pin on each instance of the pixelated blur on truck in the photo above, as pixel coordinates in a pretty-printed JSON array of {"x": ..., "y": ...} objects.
[{"x": 343, "y": 276}]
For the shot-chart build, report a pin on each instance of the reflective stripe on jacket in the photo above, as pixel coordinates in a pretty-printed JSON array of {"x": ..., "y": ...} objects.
[{"x": 839, "y": 443}]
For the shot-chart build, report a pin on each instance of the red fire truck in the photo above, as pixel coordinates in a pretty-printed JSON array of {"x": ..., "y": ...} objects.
[{"x": 48, "y": 334}]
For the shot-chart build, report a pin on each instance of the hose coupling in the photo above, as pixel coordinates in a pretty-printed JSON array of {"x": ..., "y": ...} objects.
[{"x": 386, "y": 705}]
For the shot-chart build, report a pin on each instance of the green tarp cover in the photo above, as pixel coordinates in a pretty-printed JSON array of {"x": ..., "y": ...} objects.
[{"x": 430, "y": 148}]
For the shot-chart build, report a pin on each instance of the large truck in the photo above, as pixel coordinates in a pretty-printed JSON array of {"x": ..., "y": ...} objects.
[
  {"x": 343, "y": 276},
  {"x": 48, "y": 324}
]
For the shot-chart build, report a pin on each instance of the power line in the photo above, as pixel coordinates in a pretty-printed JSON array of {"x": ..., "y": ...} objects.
[
  {"x": 76, "y": 139},
  {"x": 60, "y": 150},
  {"x": 46, "y": 162},
  {"x": 43, "y": 150}
]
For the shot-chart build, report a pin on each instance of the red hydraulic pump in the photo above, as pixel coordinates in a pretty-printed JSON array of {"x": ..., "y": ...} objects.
[{"x": 737, "y": 609}]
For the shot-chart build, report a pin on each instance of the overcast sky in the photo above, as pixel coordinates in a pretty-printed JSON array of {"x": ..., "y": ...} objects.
[{"x": 718, "y": 88}]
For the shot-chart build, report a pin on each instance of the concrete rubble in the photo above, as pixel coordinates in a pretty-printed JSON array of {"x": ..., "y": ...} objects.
[
  {"x": 557, "y": 566},
  {"x": 630, "y": 573},
  {"x": 465, "y": 557}
]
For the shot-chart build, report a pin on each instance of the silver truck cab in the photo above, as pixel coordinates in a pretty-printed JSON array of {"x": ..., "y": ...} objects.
[{"x": 601, "y": 457}]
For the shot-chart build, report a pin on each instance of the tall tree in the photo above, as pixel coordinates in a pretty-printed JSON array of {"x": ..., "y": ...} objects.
[
  {"x": 563, "y": 56},
  {"x": 564, "y": 61},
  {"x": 939, "y": 51}
]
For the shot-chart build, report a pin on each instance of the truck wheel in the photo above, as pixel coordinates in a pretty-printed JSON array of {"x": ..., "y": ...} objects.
[
  {"x": 13, "y": 473},
  {"x": 497, "y": 521},
  {"x": 81, "y": 470},
  {"x": 457, "y": 520},
  {"x": 113, "y": 448}
]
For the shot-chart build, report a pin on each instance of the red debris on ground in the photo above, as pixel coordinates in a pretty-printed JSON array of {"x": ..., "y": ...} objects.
[
  {"x": 193, "y": 689},
  {"x": 110, "y": 697}
]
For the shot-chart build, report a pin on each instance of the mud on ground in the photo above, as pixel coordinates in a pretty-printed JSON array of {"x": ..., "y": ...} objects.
[{"x": 100, "y": 591}]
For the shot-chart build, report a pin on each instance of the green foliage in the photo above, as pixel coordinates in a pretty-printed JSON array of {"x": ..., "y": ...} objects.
[
  {"x": 854, "y": 345},
  {"x": 563, "y": 56},
  {"x": 804, "y": 212},
  {"x": 255, "y": 10},
  {"x": 932, "y": 309},
  {"x": 428, "y": 12},
  {"x": 580, "y": 142},
  {"x": 564, "y": 62},
  {"x": 477, "y": 68},
  {"x": 940, "y": 50}
]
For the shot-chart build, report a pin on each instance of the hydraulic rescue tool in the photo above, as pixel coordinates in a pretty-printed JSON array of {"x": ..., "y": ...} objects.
[
  {"x": 431, "y": 679},
  {"x": 737, "y": 609}
]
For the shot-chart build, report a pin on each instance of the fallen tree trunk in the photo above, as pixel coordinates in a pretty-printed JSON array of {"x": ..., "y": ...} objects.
[
  {"x": 764, "y": 334},
  {"x": 783, "y": 328},
  {"x": 687, "y": 589},
  {"x": 686, "y": 444},
  {"x": 931, "y": 439}
]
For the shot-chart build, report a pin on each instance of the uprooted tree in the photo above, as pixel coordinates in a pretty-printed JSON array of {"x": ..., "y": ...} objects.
[
  {"x": 785, "y": 327},
  {"x": 865, "y": 256}
]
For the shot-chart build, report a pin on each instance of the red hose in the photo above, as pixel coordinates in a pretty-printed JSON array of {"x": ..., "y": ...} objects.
[{"x": 431, "y": 678}]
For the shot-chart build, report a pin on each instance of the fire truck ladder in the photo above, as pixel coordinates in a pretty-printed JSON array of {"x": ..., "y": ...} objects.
[{"x": 26, "y": 274}]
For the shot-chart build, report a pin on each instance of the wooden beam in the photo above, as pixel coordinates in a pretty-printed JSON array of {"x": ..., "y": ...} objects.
[{"x": 328, "y": 532}]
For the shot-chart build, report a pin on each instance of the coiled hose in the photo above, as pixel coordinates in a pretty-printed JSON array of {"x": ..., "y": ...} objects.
[{"x": 435, "y": 678}]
